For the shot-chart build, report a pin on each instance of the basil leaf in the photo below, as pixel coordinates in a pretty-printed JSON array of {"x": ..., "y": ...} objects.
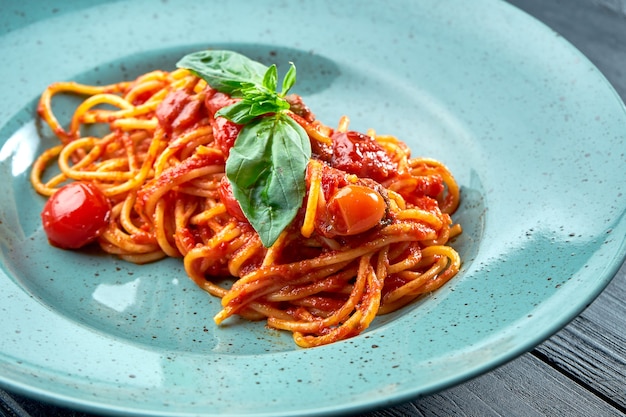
[
  {"x": 270, "y": 105},
  {"x": 270, "y": 79},
  {"x": 267, "y": 164},
  {"x": 289, "y": 80},
  {"x": 225, "y": 71},
  {"x": 266, "y": 168},
  {"x": 238, "y": 112},
  {"x": 252, "y": 106}
]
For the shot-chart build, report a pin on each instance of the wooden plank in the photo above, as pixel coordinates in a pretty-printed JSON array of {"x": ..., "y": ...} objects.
[
  {"x": 525, "y": 387},
  {"x": 12, "y": 405},
  {"x": 596, "y": 27},
  {"x": 592, "y": 349}
]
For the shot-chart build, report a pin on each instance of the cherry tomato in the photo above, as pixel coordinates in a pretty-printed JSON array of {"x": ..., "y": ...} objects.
[
  {"x": 355, "y": 209},
  {"x": 224, "y": 131},
  {"x": 232, "y": 205},
  {"x": 75, "y": 215}
]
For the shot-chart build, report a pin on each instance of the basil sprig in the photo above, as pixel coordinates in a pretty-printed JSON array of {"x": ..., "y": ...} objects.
[{"x": 267, "y": 164}]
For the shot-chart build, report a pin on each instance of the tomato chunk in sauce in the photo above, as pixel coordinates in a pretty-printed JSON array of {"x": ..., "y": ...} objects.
[
  {"x": 178, "y": 110},
  {"x": 359, "y": 154}
]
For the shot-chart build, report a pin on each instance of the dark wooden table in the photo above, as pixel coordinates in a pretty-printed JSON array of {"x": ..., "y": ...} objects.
[{"x": 580, "y": 371}]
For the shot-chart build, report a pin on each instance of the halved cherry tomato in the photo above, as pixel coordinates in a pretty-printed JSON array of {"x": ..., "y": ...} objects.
[
  {"x": 75, "y": 215},
  {"x": 355, "y": 209}
]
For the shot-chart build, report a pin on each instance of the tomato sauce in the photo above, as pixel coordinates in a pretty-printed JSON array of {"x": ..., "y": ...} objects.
[{"x": 169, "y": 176}]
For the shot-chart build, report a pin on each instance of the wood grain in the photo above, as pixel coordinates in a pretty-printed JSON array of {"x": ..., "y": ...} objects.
[
  {"x": 592, "y": 349},
  {"x": 526, "y": 387}
]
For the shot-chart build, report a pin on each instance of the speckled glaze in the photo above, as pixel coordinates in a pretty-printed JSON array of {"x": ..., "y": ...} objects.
[{"x": 534, "y": 134}]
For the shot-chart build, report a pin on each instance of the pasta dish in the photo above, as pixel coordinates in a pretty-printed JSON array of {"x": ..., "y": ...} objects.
[{"x": 316, "y": 229}]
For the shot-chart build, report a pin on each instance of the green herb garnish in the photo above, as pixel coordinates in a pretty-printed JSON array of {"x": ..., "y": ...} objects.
[{"x": 267, "y": 164}]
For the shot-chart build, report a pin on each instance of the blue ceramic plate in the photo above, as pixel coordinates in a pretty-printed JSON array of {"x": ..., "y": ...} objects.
[{"x": 533, "y": 132}]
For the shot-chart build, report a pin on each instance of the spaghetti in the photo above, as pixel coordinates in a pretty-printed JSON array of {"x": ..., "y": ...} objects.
[{"x": 372, "y": 234}]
